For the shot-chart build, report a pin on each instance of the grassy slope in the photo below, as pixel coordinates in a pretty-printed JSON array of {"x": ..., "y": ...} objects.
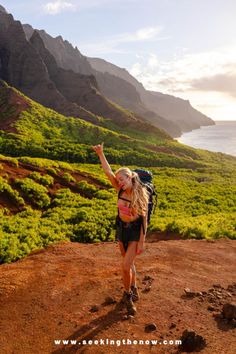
[
  {"x": 196, "y": 188},
  {"x": 44, "y": 133}
]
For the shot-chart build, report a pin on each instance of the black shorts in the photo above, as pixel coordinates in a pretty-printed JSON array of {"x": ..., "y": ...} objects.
[{"x": 128, "y": 231}]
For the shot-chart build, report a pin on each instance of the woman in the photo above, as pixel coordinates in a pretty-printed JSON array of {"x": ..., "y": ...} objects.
[{"x": 131, "y": 223}]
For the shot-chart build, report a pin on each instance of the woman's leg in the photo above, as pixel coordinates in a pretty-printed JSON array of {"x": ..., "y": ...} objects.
[
  {"x": 127, "y": 276},
  {"x": 128, "y": 262},
  {"x": 133, "y": 268},
  {"x": 122, "y": 250}
]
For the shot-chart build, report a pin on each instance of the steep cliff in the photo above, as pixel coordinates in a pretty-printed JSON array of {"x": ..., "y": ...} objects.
[
  {"x": 23, "y": 68},
  {"x": 65, "y": 54},
  {"x": 30, "y": 67},
  {"x": 172, "y": 108},
  {"x": 115, "y": 88}
]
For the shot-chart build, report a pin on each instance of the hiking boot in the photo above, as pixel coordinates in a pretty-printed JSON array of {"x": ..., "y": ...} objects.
[
  {"x": 123, "y": 299},
  {"x": 135, "y": 293},
  {"x": 131, "y": 309}
]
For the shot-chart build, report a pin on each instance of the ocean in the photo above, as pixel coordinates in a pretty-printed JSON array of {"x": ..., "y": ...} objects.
[{"x": 218, "y": 138}]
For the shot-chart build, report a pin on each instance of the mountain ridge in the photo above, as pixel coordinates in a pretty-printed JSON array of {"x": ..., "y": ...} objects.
[
  {"x": 112, "y": 82},
  {"x": 61, "y": 51},
  {"x": 191, "y": 117},
  {"x": 31, "y": 68}
]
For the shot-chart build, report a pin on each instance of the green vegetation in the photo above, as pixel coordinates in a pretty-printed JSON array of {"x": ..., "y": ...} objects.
[
  {"x": 44, "y": 133},
  {"x": 27, "y": 231},
  {"x": 87, "y": 187},
  {"x": 45, "y": 180},
  {"x": 13, "y": 161},
  {"x": 67, "y": 177},
  {"x": 194, "y": 204},
  {"x": 69, "y": 217},
  {"x": 10, "y": 192},
  {"x": 34, "y": 192},
  {"x": 196, "y": 189}
]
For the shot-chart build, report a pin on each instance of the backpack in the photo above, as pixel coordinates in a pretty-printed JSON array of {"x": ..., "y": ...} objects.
[{"x": 146, "y": 179}]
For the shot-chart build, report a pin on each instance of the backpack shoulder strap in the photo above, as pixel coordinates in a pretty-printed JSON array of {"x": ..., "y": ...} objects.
[{"x": 120, "y": 192}]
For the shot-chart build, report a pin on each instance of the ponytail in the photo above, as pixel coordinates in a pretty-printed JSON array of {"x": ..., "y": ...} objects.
[{"x": 139, "y": 200}]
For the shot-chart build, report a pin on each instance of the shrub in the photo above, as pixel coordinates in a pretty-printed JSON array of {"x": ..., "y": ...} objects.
[
  {"x": 46, "y": 180},
  {"x": 12, "y": 160},
  {"x": 103, "y": 194},
  {"x": 13, "y": 194},
  {"x": 34, "y": 191},
  {"x": 68, "y": 178},
  {"x": 86, "y": 187},
  {"x": 52, "y": 171}
]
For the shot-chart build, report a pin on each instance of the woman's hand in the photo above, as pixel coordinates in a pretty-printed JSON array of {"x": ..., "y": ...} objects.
[
  {"x": 98, "y": 148},
  {"x": 140, "y": 247}
]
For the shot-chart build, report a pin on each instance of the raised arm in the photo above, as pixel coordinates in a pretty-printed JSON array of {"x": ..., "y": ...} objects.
[{"x": 105, "y": 165}]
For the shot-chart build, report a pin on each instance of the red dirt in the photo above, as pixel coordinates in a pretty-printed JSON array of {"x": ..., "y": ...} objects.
[{"x": 49, "y": 295}]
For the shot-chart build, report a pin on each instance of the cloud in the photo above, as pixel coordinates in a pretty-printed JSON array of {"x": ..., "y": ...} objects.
[
  {"x": 221, "y": 83},
  {"x": 207, "y": 79},
  {"x": 112, "y": 44},
  {"x": 55, "y": 7},
  {"x": 212, "y": 71},
  {"x": 143, "y": 34}
]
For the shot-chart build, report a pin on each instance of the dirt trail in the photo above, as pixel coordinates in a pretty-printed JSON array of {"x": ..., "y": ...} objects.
[{"x": 52, "y": 294}]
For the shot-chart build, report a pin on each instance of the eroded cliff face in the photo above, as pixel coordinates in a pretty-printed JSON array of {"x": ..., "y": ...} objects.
[
  {"x": 173, "y": 109},
  {"x": 172, "y": 114},
  {"x": 31, "y": 68},
  {"x": 21, "y": 66},
  {"x": 66, "y": 56},
  {"x": 110, "y": 85},
  {"x": 2, "y": 9},
  {"x": 77, "y": 88},
  {"x": 176, "y": 109}
]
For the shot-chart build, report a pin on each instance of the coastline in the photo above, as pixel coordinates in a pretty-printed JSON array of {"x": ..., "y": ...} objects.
[{"x": 220, "y": 137}]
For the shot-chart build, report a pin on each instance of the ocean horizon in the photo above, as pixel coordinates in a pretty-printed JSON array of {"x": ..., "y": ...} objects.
[{"x": 220, "y": 137}]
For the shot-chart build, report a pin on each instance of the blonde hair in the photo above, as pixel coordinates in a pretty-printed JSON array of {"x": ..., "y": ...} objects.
[{"x": 139, "y": 196}]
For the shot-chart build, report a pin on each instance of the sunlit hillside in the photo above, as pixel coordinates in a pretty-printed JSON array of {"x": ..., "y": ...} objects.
[{"x": 52, "y": 186}]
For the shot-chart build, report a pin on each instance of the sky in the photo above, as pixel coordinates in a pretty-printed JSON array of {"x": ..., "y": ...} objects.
[{"x": 185, "y": 48}]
